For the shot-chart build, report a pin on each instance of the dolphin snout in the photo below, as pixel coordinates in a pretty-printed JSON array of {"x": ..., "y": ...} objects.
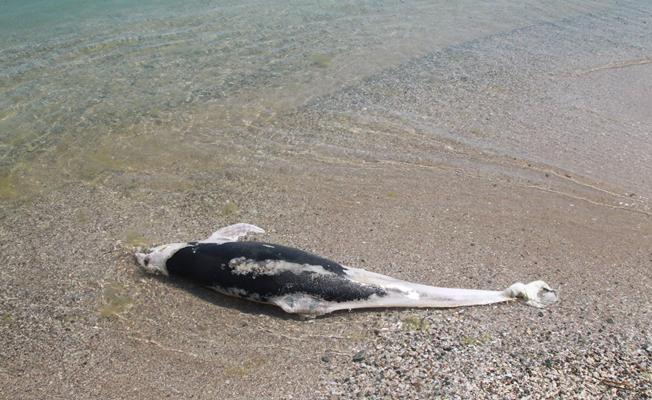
[{"x": 140, "y": 258}]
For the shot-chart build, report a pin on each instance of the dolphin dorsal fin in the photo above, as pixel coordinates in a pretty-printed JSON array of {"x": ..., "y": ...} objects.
[{"x": 232, "y": 233}]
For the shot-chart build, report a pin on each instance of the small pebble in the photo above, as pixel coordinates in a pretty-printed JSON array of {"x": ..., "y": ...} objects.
[{"x": 359, "y": 356}]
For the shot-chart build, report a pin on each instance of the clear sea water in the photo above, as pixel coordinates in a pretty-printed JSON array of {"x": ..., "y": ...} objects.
[{"x": 89, "y": 88}]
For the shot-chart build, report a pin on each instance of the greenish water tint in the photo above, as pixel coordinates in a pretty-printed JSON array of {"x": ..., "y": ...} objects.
[{"x": 89, "y": 89}]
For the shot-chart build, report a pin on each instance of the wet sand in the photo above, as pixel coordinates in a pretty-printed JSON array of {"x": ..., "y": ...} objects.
[
  {"x": 449, "y": 169},
  {"x": 80, "y": 320}
]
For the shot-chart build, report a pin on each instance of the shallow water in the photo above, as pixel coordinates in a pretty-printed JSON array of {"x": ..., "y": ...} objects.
[{"x": 94, "y": 89}]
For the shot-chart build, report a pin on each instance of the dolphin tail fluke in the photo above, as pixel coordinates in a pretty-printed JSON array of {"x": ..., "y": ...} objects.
[
  {"x": 407, "y": 294},
  {"x": 536, "y": 294}
]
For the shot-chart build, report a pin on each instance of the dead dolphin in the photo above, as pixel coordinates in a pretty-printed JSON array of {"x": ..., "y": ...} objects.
[{"x": 306, "y": 284}]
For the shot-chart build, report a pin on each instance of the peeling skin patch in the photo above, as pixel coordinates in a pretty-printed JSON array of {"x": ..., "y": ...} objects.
[
  {"x": 236, "y": 292},
  {"x": 390, "y": 284},
  {"x": 243, "y": 266},
  {"x": 301, "y": 303},
  {"x": 410, "y": 294},
  {"x": 258, "y": 252}
]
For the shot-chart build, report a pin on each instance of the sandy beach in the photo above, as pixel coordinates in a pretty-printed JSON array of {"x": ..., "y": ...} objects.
[
  {"x": 517, "y": 155},
  {"x": 79, "y": 319}
]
